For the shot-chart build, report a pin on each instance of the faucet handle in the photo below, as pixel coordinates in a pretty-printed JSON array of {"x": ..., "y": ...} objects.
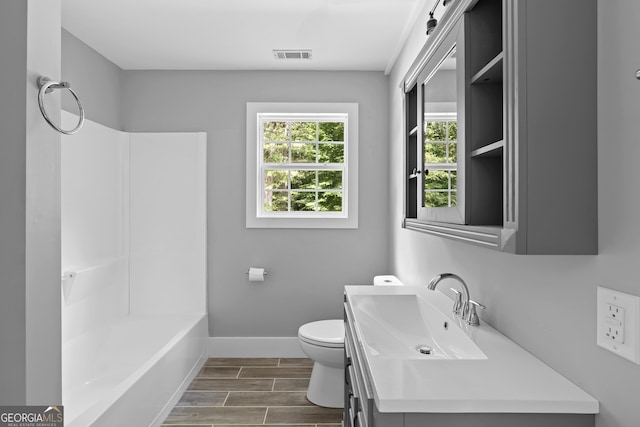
[
  {"x": 472, "y": 317},
  {"x": 476, "y": 303},
  {"x": 457, "y": 304}
]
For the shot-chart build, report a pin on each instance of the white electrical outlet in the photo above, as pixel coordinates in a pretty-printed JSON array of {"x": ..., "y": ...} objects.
[
  {"x": 614, "y": 317},
  {"x": 619, "y": 323}
]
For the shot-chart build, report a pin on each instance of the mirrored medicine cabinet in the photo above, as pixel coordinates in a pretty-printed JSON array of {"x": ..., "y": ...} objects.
[{"x": 482, "y": 133}]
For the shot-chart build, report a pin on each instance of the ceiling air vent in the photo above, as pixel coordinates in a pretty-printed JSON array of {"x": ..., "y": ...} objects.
[{"x": 292, "y": 54}]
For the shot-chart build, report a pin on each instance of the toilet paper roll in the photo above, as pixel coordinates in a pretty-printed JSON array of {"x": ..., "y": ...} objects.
[{"x": 256, "y": 274}]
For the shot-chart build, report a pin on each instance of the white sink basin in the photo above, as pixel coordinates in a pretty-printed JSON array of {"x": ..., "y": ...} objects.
[
  {"x": 408, "y": 327},
  {"x": 470, "y": 369}
]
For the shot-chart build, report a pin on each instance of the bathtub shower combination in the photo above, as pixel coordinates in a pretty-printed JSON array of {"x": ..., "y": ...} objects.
[{"x": 134, "y": 271}]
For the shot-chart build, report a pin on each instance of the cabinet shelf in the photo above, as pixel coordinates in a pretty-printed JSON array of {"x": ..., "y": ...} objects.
[
  {"x": 490, "y": 150},
  {"x": 490, "y": 73}
]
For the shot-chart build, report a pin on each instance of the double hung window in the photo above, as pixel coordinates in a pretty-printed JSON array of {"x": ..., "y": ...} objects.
[{"x": 300, "y": 163}]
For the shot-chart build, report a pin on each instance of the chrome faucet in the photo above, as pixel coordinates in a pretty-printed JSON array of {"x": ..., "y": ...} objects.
[{"x": 463, "y": 306}]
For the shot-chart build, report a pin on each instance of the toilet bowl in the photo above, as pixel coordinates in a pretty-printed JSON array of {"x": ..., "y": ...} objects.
[{"x": 323, "y": 342}]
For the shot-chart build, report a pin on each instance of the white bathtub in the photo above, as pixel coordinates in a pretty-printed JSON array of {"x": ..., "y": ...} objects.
[
  {"x": 134, "y": 258},
  {"x": 132, "y": 372}
]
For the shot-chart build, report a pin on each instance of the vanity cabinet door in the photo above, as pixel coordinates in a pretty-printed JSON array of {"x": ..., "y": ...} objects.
[
  {"x": 351, "y": 401},
  {"x": 360, "y": 408},
  {"x": 358, "y": 400}
]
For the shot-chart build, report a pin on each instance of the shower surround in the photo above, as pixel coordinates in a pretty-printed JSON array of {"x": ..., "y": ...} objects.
[{"x": 133, "y": 272}]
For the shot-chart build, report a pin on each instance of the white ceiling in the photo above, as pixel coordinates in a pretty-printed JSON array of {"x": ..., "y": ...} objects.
[{"x": 242, "y": 34}]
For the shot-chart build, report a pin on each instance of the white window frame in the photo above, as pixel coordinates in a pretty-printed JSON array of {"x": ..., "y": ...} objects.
[
  {"x": 255, "y": 216},
  {"x": 447, "y": 118}
]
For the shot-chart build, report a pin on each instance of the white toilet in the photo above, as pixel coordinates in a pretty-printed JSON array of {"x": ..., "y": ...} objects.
[{"x": 323, "y": 342}]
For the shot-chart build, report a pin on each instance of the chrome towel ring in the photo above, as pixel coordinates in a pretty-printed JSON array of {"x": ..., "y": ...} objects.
[{"x": 47, "y": 86}]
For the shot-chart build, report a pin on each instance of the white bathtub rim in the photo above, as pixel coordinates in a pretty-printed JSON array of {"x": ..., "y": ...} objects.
[
  {"x": 89, "y": 415},
  {"x": 187, "y": 322},
  {"x": 146, "y": 402}
]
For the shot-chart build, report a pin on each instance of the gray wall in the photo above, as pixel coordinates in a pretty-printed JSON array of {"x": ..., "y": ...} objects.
[
  {"x": 307, "y": 269},
  {"x": 13, "y": 49},
  {"x": 30, "y": 332},
  {"x": 96, "y": 80},
  {"x": 547, "y": 304}
]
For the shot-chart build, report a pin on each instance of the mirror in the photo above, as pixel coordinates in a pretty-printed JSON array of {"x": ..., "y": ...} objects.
[
  {"x": 440, "y": 151},
  {"x": 440, "y": 129}
]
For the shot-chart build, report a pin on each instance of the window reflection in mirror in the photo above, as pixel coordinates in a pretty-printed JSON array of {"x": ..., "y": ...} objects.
[{"x": 440, "y": 135}]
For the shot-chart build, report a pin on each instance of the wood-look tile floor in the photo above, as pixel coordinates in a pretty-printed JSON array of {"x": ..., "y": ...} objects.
[{"x": 251, "y": 392}]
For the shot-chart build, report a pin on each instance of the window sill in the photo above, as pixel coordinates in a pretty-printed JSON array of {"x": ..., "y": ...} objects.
[{"x": 288, "y": 222}]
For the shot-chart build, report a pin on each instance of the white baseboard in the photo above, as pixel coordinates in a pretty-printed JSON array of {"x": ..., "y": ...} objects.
[{"x": 254, "y": 347}]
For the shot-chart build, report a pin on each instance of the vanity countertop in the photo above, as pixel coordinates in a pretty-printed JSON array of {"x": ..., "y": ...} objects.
[{"x": 509, "y": 380}]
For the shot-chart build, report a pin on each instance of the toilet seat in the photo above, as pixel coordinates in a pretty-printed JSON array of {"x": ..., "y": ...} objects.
[{"x": 324, "y": 333}]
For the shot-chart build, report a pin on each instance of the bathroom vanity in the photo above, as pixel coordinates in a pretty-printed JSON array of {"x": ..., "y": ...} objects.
[{"x": 410, "y": 362}]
